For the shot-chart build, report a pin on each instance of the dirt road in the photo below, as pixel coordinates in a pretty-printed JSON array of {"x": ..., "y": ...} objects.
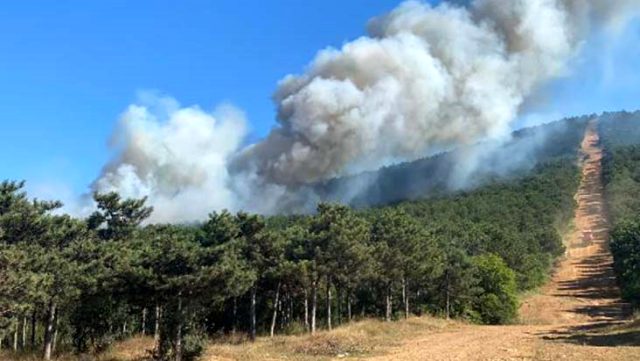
[{"x": 573, "y": 316}]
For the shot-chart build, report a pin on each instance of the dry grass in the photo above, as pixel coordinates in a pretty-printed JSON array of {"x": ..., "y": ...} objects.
[
  {"x": 357, "y": 339},
  {"x": 133, "y": 349},
  {"x": 354, "y": 340}
]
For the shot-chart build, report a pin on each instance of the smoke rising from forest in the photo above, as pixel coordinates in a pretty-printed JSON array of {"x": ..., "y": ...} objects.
[{"x": 425, "y": 78}]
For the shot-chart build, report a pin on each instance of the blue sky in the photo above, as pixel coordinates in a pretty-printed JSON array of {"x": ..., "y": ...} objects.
[{"x": 69, "y": 68}]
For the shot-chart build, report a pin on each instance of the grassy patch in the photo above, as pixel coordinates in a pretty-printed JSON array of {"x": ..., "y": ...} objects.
[
  {"x": 133, "y": 349},
  {"x": 354, "y": 340}
]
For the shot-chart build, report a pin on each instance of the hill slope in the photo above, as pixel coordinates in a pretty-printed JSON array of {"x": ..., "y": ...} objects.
[
  {"x": 438, "y": 174},
  {"x": 448, "y": 171},
  {"x": 573, "y": 315}
]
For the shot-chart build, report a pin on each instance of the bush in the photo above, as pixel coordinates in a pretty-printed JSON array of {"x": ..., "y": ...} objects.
[
  {"x": 625, "y": 247},
  {"x": 497, "y": 302},
  {"x": 193, "y": 345}
]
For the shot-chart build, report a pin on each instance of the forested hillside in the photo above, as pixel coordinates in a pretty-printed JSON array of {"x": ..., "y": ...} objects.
[
  {"x": 79, "y": 285},
  {"x": 619, "y": 129},
  {"x": 437, "y": 174},
  {"x": 621, "y": 137}
]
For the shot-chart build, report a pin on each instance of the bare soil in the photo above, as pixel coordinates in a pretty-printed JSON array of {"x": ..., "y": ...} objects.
[{"x": 578, "y": 315}]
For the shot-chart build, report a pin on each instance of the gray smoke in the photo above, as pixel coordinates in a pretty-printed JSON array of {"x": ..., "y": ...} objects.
[{"x": 425, "y": 79}]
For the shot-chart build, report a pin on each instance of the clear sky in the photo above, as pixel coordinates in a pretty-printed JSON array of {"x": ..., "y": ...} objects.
[{"x": 69, "y": 68}]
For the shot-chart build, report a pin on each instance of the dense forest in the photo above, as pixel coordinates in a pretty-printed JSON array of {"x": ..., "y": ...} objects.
[
  {"x": 621, "y": 138},
  {"x": 79, "y": 285}
]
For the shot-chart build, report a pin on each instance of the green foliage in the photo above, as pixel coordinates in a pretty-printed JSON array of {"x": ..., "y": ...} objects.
[
  {"x": 620, "y": 134},
  {"x": 621, "y": 173},
  {"x": 626, "y": 252},
  {"x": 622, "y": 178},
  {"x": 497, "y": 301},
  {"x": 463, "y": 255},
  {"x": 339, "y": 244},
  {"x": 117, "y": 219},
  {"x": 456, "y": 285},
  {"x": 516, "y": 220}
]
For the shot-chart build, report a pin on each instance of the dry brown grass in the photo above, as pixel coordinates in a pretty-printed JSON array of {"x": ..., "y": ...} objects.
[
  {"x": 133, "y": 349},
  {"x": 357, "y": 339}
]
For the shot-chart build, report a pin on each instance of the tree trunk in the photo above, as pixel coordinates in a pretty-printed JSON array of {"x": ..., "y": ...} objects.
[
  {"x": 389, "y": 305},
  {"x": 33, "y": 329},
  {"x": 55, "y": 334},
  {"x": 15, "y": 337},
  {"x": 418, "y": 311},
  {"x": 23, "y": 339},
  {"x": 314, "y": 305},
  {"x": 143, "y": 326},
  {"x": 448, "y": 296},
  {"x": 253, "y": 334},
  {"x": 349, "y": 315},
  {"x": 156, "y": 329},
  {"x": 328, "y": 303},
  {"x": 290, "y": 306},
  {"x": 234, "y": 315},
  {"x": 178, "y": 340},
  {"x": 405, "y": 298},
  {"x": 306, "y": 309},
  {"x": 49, "y": 330},
  {"x": 338, "y": 306},
  {"x": 276, "y": 304}
]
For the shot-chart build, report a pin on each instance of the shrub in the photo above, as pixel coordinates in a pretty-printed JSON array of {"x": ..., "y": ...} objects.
[
  {"x": 625, "y": 247},
  {"x": 497, "y": 302}
]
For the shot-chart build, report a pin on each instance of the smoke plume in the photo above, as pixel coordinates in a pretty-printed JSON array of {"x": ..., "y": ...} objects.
[
  {"x": 177, "y": 157},
  {"x": 425, "y": 78}
]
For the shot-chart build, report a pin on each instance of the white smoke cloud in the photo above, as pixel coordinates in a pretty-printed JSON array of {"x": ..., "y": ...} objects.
[
  {"x": 175, "y": 156},
  {"x": 424, "y": 79}
]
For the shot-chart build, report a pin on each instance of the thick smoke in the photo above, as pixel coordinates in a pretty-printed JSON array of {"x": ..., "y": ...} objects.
[
  {"x": 425, "y": 79},
  {"x": 177, "y": 157}
]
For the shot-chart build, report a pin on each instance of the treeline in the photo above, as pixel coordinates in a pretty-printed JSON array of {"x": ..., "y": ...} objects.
[
  {"x": 619, "y": 129},
  {"x": 620, "y": 135},
  {"x": 78, "y": 285},
  {"x": 622, "y": 179}
]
